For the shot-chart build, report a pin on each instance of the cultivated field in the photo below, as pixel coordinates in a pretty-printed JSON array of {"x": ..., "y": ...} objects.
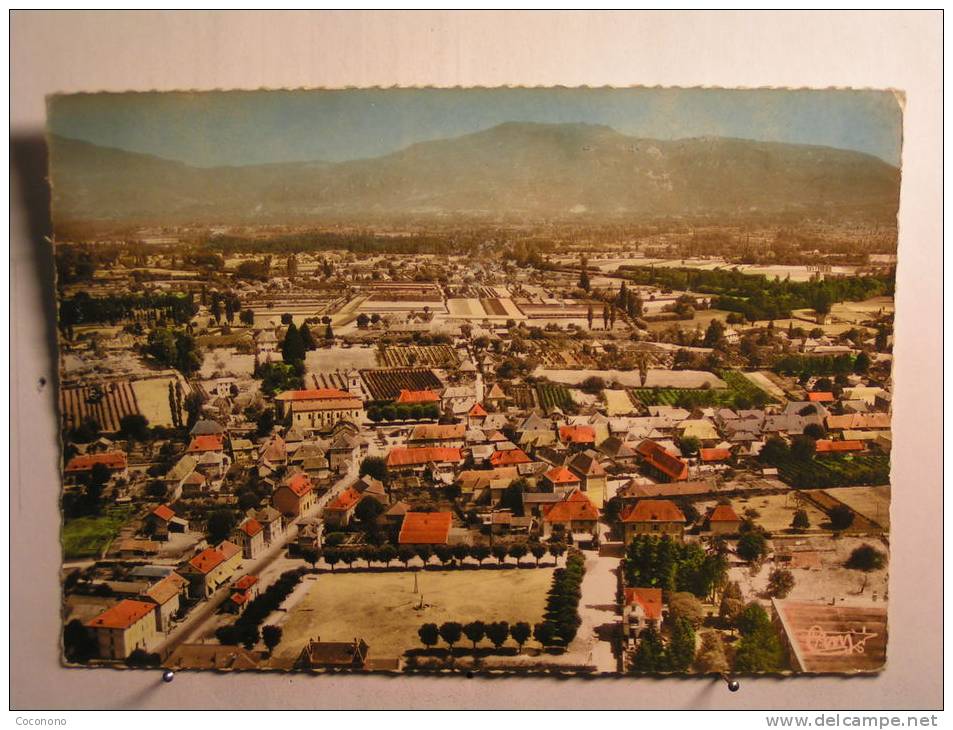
[
  {"x": 382, "y": 608},
  {"x": 618, "y": 403},
  {"x": 152, "y": 395},
  {"x": 416, "y": 355},
  {"x": 387, "y": 384}
]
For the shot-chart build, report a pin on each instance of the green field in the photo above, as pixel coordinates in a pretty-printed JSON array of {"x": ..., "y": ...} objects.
[
  {"x": 740, "y": 393},
  {"x": 551, "y": 395},
  {"x": 837, "y": 470},
  {"x": 87, "y": 537}
]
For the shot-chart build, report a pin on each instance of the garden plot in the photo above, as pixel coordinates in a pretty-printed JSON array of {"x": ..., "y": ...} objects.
[
  {"x": 222, "y": 362},
  {"x": 618, "y": 403},
  {"x": 763, "y": 380},
  {"x": 466, "y": 308},
  {"x": 870, "y": 502},
  {"x": 382, "y": 608},
  {"x": 328, "y": 359},
  {"x": 775, "y": 512}
]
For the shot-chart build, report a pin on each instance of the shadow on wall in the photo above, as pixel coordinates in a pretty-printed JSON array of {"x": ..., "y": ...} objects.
[{"x": 28, "y": 170}]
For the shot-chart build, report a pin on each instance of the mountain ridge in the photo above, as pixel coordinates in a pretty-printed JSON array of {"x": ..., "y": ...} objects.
[{"x": 515, "y": 170}]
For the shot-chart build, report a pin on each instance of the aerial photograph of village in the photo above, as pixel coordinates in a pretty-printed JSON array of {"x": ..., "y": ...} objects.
[{"x": 545, "y": 381}]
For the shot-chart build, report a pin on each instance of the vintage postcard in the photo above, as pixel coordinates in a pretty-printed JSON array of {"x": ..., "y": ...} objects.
[{"x": 579, "y": 381}]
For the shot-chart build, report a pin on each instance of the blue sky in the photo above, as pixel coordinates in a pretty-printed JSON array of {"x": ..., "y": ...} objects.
[{"x": 239, "y": 128}]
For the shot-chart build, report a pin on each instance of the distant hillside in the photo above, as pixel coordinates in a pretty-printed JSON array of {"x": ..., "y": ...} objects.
[{"x": 512, "y": 171}]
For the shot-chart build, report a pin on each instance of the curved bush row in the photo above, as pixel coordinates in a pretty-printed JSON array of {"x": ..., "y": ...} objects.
[
  {"x": 245, "y": 629},
  {"x": 562, "y": 606}
]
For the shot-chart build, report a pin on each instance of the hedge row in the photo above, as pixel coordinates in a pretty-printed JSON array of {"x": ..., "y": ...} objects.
[{"x": 562, "y": 606}]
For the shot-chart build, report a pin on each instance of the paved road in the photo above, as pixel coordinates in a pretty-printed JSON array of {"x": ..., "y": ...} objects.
[
  {"x": 599, "y": 613},
  {"x": 199, "y": 619}
]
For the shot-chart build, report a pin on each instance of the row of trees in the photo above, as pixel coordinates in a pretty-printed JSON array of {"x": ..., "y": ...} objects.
[
  {"x": 453, "y": 555},
  {"x": 497, "y": 632},
  {"x": 85, "y": 309}
]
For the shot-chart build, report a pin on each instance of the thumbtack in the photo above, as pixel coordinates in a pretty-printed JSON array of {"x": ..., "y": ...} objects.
[
  {"x": 733, "y": 684},
  {"x": 168, "y": 675}
]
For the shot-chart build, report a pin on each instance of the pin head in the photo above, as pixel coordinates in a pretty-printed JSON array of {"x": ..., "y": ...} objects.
[
  {"x": 733, "y": 685},
  {"x": 168, "y": 675}
]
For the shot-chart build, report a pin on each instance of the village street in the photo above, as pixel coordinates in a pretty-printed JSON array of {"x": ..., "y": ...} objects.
[{"x": 200, "y": 620}]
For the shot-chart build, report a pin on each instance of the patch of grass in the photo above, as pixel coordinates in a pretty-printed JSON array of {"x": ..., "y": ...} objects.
[{"x": 87, "y": 537}]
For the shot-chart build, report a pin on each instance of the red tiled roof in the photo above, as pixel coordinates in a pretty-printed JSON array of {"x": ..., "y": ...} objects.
[
  {"x": 208, "y": 442},
  {"x": 417, "y": 396},
  {"x": 299, "y": 483},
  {"x": 163, "y": 512},
  {"x": 495, "y": 437},
  {"x": 111, "y": 459},
  {"x": 438, "y": 431},
  {"x": 561, "y": 475},
  {"x": 239, "y": 598},
  {"x": 577, "y": 434},
  {"x": 657, "y": 457},
  {"x": 859, "y": 421},
  {"x": 723, "y": 513},
  {"x": 327, "y": 404},
  {"x": 167, "y": 588},
  {"x": 477, "y": 411},
  {"x": 650, "y": 600},
  {"x": 820, "y": 397},
  {"x": 207, "y": 560},
  {"x": 826, "y": 446},
  {"x": 653, "y": 510},
  {"x": 228, "y": 549},
  {"x": 423, "y": 455},
  {"x": 317, "y": 394},
  {"x": 576, "y": 507},
  {"x": 123, "y": 615},
  {"x": 714, "y": 454},
  {"x": 425, "y": 528},
  {"x": 345, "y": 500},
  {"x": 508, "y": 457},
  {"x": 251, "y": 527},
  {"x": 245, "y": 582}
]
